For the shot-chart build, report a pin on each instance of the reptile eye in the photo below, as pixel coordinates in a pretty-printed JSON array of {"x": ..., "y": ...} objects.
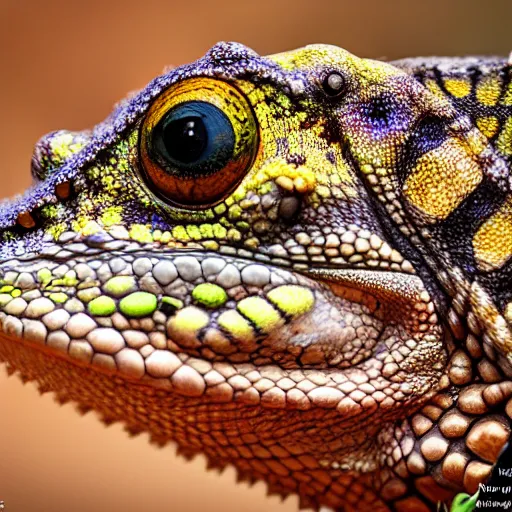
[
  {"x": 333, "y": 84},
  {"x": 197, "y": 142}
]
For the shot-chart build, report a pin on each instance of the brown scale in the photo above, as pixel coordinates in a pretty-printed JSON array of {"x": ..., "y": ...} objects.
[
  {"x": 461, "y": 431},
  {"x": 287, "y": 467}
]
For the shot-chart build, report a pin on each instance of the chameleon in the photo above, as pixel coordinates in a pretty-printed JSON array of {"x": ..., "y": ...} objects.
[{"x": 299, "y": 265}]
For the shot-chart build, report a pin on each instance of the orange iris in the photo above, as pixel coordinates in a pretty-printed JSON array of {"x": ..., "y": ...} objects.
[{"x": 197, "y": 142}]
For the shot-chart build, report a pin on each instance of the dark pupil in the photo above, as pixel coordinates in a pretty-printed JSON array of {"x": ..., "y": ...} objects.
[
  {"x": 185, "y": 139},
  {"x": 193, "y": 139}
]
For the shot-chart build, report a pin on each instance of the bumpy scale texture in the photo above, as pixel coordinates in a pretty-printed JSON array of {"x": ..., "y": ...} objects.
[{"x": 325, "y": 304}]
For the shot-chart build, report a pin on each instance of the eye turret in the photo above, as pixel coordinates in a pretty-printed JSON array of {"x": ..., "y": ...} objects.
[{"x": 197, "y": 142}]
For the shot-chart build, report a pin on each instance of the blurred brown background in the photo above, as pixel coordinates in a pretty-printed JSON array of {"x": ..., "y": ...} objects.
[{"x": 63, "y": 64}]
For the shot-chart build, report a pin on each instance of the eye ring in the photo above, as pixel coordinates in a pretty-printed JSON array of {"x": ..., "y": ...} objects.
[
  {"x": 333, "y": 84},
  {"x": 197, "y": 142}
]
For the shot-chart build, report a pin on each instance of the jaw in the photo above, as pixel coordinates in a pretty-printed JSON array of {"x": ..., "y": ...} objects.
[
  {"x": 287, "y": 375},
  {"x": 312, "y": 452}
]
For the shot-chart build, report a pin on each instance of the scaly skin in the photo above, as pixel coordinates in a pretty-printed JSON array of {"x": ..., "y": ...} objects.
[{"x": 329, "y": 310}]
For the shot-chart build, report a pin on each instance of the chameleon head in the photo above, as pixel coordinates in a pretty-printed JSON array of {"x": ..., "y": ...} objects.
[{"x": 212, "y": 265}]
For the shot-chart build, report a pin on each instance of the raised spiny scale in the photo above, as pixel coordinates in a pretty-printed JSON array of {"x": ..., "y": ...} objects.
[
  {"x": 242, "y": 476},
  {"x": 245, "y": 476},
  {"x": 186, "y": 452},
  {"x": 133, "y": 431},
  {"x": 83, "y": 408},
  {"x": 276, "y": 490},
  {"x": 108, "y": 420},
  {"x": 217, "y": 465},
  {"x": 160, "y": 441},
  {"x": 10, "y": 369},
  {"x": 44, "y": 388},
  {"x": 62, "y": 398},
  {"x": 25, "y": 378}
]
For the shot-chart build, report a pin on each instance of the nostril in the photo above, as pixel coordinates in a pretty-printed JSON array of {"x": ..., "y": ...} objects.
[{"x": 53, "y": 149}]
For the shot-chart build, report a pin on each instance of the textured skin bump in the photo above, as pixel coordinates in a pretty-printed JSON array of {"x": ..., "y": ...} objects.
[{"x": 333, "y": 316}]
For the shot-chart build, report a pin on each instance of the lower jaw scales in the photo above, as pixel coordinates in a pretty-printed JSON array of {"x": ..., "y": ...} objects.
[{"x": 211, "y": 327}]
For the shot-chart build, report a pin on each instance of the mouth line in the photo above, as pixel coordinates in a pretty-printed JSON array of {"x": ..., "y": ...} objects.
[
  {"x": 368, "y": 280},
  {"x": 71, "y": 245},
  {"x": 316, "y": 338}
]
